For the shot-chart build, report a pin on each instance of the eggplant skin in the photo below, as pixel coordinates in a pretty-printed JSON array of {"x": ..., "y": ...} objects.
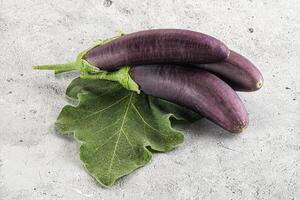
[
  {"x": 239, "y": 72},
  {"x": 196, "y": 89},
  {"x": 161, "y": 46}
]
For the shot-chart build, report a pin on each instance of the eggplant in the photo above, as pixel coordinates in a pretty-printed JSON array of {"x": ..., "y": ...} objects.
[
  {"x": 159, "y": 46},
  {"x": 195, "y": 89},
  {"x": 239, "y": 72}
]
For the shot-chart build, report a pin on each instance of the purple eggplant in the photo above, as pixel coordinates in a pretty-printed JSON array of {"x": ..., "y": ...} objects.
[
  {"x": 240, "y": 73},
  {"x": 195, "y": 89},
  {"x": 160, "y": 46}
]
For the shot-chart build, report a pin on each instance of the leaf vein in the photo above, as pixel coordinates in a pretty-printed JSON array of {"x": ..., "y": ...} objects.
[
  {"x": 106, "y": 141},
  {"x": 121, "y": 128},
  {"x": 127, "y": 138},
  {"x": 98, "y": 131},
  {"x": 145, "y": 120},
  {"x": 87, "y": 116}
]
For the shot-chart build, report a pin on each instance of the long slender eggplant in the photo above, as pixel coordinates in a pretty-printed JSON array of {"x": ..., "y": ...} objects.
[
  {"x": 239, "y": 72},
  {"x": 157, "y": 46},
  {"x": 196, "y": 89}
]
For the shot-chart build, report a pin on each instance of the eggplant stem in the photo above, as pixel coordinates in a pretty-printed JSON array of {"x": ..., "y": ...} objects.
[{"x": 59, "y": 68}]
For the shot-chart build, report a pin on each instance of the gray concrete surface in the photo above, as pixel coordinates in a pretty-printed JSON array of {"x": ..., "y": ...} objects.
[{"x": 261, "y": 163}]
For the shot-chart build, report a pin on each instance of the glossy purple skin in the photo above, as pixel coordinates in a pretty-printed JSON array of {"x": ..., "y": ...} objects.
[
  {"x": 196, "y": 89},
  {"x": 158, "y": 46},
  {"x": 238, "y": 71}
]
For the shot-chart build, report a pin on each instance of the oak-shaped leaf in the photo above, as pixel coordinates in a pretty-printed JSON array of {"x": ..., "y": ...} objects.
[{"x": 116, "y": 128}]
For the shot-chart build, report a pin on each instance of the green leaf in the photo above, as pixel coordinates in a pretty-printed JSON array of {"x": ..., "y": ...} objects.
[{"x": 116, "y": 128}]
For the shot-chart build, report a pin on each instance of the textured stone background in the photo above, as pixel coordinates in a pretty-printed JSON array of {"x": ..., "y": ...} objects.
[{"x": 261, "y": 163}]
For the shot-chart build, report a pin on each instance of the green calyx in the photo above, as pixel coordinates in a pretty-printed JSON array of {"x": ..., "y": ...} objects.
[
  {"x": 122, "y": 76},
  {"x": 89, "y": 71}
]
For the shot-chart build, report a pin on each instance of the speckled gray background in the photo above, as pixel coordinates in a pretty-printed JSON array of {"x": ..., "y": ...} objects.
[{"x": 261, "y": 163}]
